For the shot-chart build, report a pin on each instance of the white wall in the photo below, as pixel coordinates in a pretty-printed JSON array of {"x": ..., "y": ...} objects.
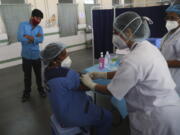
[
  {"x": 2, "y": 27},
  {"x": 49, "y": 24},
  {"x": 13, "y": 51},
  {"x": 48, "y": 7},
  {"x": 145, "y": 2},
  {"x": 81, "y": 12},
  {"x": 106, "y": 3}
]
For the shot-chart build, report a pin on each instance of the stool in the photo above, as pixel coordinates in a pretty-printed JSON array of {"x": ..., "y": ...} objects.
[{"x": 58, "y": 130}]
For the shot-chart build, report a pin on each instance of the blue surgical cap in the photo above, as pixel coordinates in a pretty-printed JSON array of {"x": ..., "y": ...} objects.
[
  {"x": 51, "y": 51},
  {"x": 174, "y": 8}
]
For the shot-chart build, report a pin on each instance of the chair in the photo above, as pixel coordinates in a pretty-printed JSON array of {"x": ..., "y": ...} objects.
[{"x": 57, "y": 129}]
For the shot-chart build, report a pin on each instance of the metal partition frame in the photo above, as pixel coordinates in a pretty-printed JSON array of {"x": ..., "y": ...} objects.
[{"x": 99, "y": 8}]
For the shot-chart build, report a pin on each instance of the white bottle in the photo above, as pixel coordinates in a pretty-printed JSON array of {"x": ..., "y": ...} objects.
[{"x": 107, "y": 59}]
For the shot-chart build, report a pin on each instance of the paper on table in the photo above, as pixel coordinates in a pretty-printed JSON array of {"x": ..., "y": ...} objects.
[{"x": 122, "y": 51}]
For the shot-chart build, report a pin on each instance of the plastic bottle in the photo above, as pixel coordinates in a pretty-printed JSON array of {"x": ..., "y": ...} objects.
[
  {"x": 101, "y": 61},
  {"x": 107, "y": 59}
]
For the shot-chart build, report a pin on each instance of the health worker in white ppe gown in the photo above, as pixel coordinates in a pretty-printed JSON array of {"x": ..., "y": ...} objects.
[
  {"x": 143, "y": 79},
  {"x": 170, "y": 44}
]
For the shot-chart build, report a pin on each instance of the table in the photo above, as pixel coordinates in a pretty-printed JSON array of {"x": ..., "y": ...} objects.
[{"x": 119, "y": 104}]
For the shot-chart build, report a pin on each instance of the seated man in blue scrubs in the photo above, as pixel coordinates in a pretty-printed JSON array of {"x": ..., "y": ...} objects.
[{"x": 70, "y": 104}]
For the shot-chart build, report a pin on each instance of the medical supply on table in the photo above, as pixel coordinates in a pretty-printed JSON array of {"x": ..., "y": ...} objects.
[
  {"x": 114, "y": 61},
  {"x": 122, "y": 51},
  {"x": 101, "y": 61},
  {"x": 119, "y": 104},
  {"x": 107, "y": 59}
]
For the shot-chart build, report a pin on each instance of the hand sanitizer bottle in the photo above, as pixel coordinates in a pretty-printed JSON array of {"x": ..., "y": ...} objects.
[
  {"x": 107, "y": 59},
  {"x": 101, "y": 61}
]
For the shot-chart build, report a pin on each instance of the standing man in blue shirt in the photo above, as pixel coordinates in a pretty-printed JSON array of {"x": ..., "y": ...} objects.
[{"x": 30, "y": 34}]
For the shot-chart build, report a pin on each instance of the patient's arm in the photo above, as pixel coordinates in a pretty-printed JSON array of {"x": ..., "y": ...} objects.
[{"x": 83, "y": 87}]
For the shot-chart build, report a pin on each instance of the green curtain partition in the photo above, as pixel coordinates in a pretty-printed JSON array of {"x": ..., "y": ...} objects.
[
  {"x": 12, "y": 1},
  {"x": 88, "y": 8},
  {"x": 12, "y": 15},
  {"x": 2, "y": 25},
  {"x": 68, "y": 19}
]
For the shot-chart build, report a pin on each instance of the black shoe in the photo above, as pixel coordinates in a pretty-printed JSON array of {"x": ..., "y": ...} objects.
[
  {"x": 42, "y": 93},
  {"x": 25, "y": 97}
]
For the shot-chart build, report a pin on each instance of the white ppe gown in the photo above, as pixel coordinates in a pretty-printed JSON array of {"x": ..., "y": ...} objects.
[
  {"x": 144, "y": 80},
  {"x": 170, "y": 48}
]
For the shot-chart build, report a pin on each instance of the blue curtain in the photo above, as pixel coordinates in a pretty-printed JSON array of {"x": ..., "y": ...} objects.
[{"x": 102, "y": 25}]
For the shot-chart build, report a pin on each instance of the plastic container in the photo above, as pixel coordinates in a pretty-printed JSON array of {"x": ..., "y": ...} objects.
[
  {"x": 107, "y": 59},
  {"x": 101, "y": 61},
  {"x": 113, "y": 59},
  {"x": 58, "y": 130}
]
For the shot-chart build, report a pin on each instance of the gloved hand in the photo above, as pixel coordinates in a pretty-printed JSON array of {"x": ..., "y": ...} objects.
[
  {"x": 97, "y": 75},
  {"x": 87, "y": 81}
]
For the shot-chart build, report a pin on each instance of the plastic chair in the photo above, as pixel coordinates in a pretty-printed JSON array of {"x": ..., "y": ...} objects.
[{"x": 58, "y": 130}]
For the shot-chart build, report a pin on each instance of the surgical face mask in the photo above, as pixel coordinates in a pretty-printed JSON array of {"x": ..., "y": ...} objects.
[
  {"x": 118, "y": 42},
  {"x": 170, "y": 25},
  {"x": 35, "y": 22},
  {"x": 66, "y": 62}
]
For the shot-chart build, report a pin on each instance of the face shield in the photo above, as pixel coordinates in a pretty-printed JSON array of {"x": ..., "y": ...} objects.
[{"x": 137, "y": 25}]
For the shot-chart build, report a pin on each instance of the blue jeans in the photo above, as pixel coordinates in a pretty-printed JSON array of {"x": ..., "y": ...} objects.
[{"x": 27, "y": 66}]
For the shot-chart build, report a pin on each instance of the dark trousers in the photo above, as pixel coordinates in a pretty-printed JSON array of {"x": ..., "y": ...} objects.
[{"x": 27, "y": 66}]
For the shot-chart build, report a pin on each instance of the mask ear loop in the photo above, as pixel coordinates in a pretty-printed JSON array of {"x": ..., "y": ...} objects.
[
  {"x": 172, "y": 2},
  {"x": 145, "y": 18}
]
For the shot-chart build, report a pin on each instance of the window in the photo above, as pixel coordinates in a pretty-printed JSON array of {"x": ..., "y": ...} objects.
[
  {"x": 115, "y": 2},
  {"x": 66, "y": 1},
  {"x": 89, "y": 1},
  {"x": 12, "y": 1}
]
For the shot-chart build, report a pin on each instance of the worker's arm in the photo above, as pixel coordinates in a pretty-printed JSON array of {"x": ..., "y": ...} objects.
[
  {"x": 102, "y": 89},
  {"x": 110, "y": 75},
  {"x": 173, "y": 63},
  {"x": 102, "y": 75}
]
